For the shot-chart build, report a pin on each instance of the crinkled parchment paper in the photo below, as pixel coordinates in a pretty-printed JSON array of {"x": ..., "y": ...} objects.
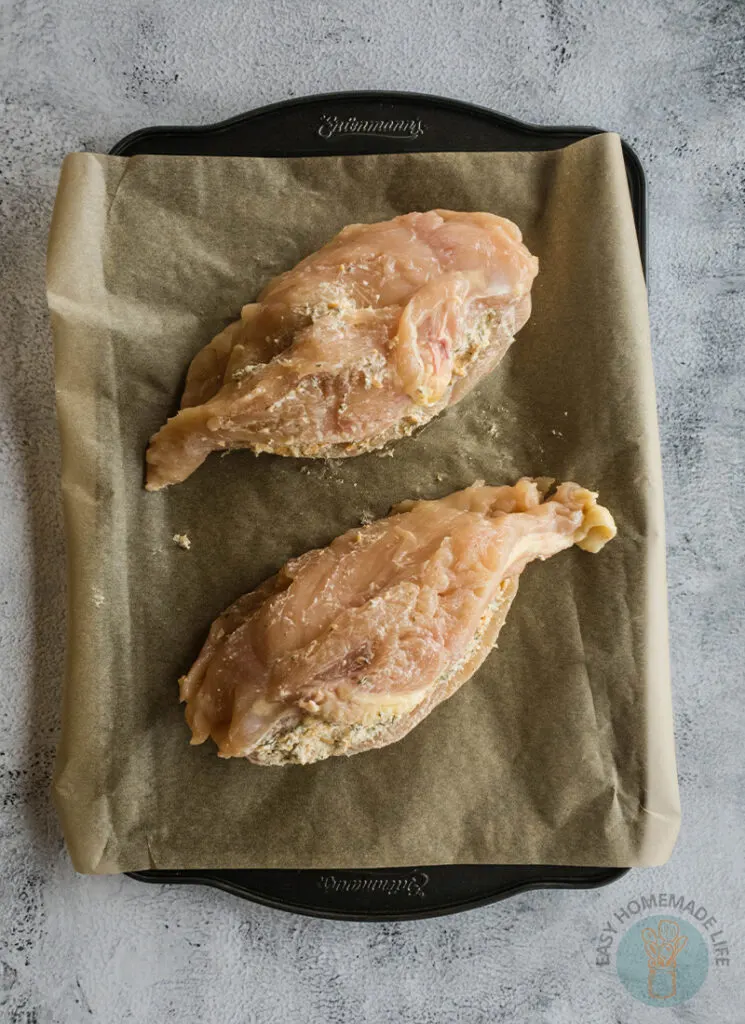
[{"x": 560, "y": 750}]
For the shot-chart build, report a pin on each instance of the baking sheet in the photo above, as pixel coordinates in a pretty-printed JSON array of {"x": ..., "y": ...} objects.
[{"x": 560, "y": 748}]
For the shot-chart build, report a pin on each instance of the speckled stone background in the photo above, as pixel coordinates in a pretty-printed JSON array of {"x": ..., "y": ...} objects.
[{"x": 669, "y": 76}]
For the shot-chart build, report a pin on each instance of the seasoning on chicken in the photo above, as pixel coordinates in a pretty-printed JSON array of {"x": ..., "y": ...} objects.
[
  {"x": 350, "y": 646},
  {"x": 361, "y": 343}
]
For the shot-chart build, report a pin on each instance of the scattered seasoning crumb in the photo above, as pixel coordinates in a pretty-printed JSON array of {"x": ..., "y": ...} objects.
[
  {"x": 330, "y": 470},
  {"x": 557, "y": 433},
  {"x": 493, "y": 430},
  {"x": 305, "y": 469},
  {"x": 98, "y": 598},
  {"x": 566, "y": 412},
  {"x": 387, "y": 453},
  {"x": 439, "y": 477},
  {"x": 366, "y": 518},
  {"x": 182, "y": 540}
]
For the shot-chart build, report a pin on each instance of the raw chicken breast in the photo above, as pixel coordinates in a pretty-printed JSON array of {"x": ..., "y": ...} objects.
[
  {"x": 350, "y": 646},
  {"x": 362, "y": 342}
]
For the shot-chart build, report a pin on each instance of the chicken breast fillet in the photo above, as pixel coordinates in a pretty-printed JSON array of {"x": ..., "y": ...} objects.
[
  {"x": 362, "y": 342},
  {"x": 350, "y": 646}
]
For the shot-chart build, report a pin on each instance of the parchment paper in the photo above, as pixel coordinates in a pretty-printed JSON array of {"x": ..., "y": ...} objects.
[{"x": 560, "y": 750}]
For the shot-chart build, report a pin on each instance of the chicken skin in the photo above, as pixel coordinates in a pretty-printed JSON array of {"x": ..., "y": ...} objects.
[
  {"x": 350, "y": 646},
  {"x": 361, "y": 343}
]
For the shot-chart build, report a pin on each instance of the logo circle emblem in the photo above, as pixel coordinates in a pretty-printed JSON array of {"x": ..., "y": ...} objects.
[{"x": 662, "y": 961}]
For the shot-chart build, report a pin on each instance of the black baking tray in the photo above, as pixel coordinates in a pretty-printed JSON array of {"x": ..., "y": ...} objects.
[{"x": 358, "y": 123}]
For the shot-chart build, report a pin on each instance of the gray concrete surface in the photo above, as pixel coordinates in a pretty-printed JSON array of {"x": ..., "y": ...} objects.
[{"x": 668, "y": 75}]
